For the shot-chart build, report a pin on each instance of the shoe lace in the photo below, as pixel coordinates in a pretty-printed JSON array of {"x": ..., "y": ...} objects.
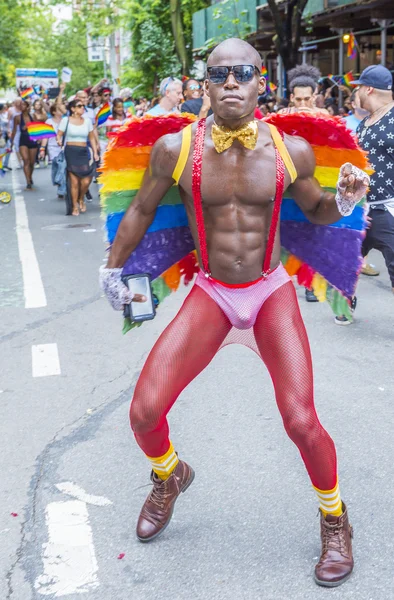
[
  {"x": 334, "y": 538},
  {"x": 159, "y": 494}
]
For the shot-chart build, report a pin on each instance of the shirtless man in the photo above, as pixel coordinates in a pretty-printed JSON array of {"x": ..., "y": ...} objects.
[{"x": 243, "y": 178}]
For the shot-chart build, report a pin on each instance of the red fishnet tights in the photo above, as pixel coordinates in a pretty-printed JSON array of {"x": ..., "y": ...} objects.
[{"x": 189, "y": 344}]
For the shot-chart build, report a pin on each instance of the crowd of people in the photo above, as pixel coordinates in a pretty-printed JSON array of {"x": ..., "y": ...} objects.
[
  {"x": 247, "y": 288},
  {"x": 84, "y": 139},
  {"x": 83, "y": 107},
  {"x": 78, "y": 133}
]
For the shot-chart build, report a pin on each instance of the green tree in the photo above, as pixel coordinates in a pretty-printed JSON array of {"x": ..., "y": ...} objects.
[
  {"x": 161, "y": 40},
  {"x": 30, "y": 38},
  {"x": 154, "y": 60},
  {"x": 288, "y": 27},
  {"x": 231, "y": 21},
  {"x": 178, "y": 35},
  {"x": 11, "y": 39},
  {"x": 67, "y": 47}
]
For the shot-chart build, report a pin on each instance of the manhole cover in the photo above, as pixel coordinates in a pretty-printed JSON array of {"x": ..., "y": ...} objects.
[{"x": 66, "y": 226}]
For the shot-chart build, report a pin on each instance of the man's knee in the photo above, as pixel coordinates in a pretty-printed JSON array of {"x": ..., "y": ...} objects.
[
  {"x": 144, "y": 414},
  {"x": 302, "y": 424}
]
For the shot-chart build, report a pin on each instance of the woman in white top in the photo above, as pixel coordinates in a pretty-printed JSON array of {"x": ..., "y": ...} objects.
[{"x": 80, "y": 166}]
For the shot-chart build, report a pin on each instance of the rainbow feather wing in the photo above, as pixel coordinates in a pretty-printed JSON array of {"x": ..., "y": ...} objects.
[
  {"x": 326, "y": 258},
  {"x": 167, "y": 249}
]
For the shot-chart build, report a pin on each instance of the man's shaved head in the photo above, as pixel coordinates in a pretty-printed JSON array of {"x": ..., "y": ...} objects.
[
  {"x": 233, "y": 102},
  {"x": 235, "y": 52}
]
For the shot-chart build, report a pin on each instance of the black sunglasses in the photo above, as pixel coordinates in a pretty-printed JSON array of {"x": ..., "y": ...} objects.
[
  {"x": 242, "y": 73},
  {"x": 78, "y": 105}
]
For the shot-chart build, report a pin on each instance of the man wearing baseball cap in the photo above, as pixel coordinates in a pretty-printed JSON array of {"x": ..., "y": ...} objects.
[{"x": 376, "y": 136}]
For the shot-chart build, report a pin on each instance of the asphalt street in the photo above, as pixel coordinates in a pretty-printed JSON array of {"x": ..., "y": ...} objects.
[{"x": 73, "y": 479}]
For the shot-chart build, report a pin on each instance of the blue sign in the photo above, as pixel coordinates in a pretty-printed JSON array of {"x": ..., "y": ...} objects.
[{"x": 50, "y": 73}]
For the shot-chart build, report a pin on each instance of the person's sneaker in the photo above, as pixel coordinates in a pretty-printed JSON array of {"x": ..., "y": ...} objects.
[
  {"x": 310, "y": 296},
  {"x": 342, "y": 320},
  {"x": 370, "y": 270},
  {"x": 88, "y": 196}
]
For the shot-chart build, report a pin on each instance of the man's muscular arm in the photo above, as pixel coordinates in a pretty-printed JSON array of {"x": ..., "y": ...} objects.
[
  {"x": 140, "y": 214},
  {"x": 318, "y": 206},
  {"x": 157, "y": 181}
]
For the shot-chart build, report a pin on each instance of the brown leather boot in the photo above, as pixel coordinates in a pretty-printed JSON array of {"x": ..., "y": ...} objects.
[
  {"x": 336, "y": 562},
  {"x": 159, "y": 505}
]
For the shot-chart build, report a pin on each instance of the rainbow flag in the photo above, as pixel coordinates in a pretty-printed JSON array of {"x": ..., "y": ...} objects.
[
  {"x": 27, "y": 93},
  {"x": 271, "y": 87},
  {"x": 103, "y": 114},
  {"x": 264, "y": 71},
  {"x": 352, "y": 47},
  {"x": 313, "y": 252},
  {"x": 166, "y": 250},
  {"x": 348, "y": 78},
  {"x": 38, "y": 130}
]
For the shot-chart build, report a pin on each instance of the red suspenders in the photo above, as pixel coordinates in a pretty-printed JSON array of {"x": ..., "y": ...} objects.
[{"x": 196, "y": 189}]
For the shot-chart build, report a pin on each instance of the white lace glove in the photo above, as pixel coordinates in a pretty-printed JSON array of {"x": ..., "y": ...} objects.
[
  {"x": 352, "y": 185},
  {"x": 114, "y": 288}
]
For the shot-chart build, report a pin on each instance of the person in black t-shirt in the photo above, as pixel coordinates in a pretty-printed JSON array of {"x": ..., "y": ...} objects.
[{"x": 195, "y": 103}]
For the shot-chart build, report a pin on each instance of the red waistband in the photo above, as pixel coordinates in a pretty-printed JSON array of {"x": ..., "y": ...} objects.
[{"x": 241, "y": 285}]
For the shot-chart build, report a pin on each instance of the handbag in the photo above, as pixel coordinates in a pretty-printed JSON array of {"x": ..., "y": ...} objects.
[{"x": 61, "y": 165}]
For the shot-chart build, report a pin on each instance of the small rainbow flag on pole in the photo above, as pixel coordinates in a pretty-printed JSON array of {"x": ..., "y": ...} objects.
[
  {"x": 27, "y": 93},
  {"x": 271, "y": 87},
  {"x": 352, "y": 46},
  {"x": 38, "y": 130},
  {"x": 348, "y": 78},
  {"x": 103, "y": 114},
  {"x": 264, "y": 71}
]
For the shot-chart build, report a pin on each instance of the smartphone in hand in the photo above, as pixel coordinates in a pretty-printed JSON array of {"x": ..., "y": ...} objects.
[{"x": 140, "y": 311}]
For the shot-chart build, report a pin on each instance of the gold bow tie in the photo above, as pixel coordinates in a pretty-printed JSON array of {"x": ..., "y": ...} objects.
[{"x": 223, "y": 137}]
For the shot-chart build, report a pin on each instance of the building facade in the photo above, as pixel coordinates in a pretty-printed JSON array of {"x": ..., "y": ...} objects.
[{"x": 325, "y": 22}]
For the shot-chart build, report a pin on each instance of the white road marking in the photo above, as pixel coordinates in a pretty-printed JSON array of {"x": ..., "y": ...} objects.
[
  {"x": 70, "y": 488},
  {"x": 45, "y": 360},
  {"x": 32, "y": 283},
  {"x": 70, "y": 564}
]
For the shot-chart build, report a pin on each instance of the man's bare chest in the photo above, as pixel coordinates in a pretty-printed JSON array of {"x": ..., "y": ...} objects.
[{"x": 237, "y": 178}]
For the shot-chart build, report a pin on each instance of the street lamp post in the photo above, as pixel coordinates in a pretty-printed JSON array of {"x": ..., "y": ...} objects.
[
  {"x": 340, "y": 65},
  {"x": 383, "y": 41},
  {"x": 279, "y": 74}
]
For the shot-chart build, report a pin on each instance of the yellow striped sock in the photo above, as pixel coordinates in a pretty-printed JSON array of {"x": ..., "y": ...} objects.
[
  {"x": 330, "y": 502},
  {"x": 164, "y": 465}
]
